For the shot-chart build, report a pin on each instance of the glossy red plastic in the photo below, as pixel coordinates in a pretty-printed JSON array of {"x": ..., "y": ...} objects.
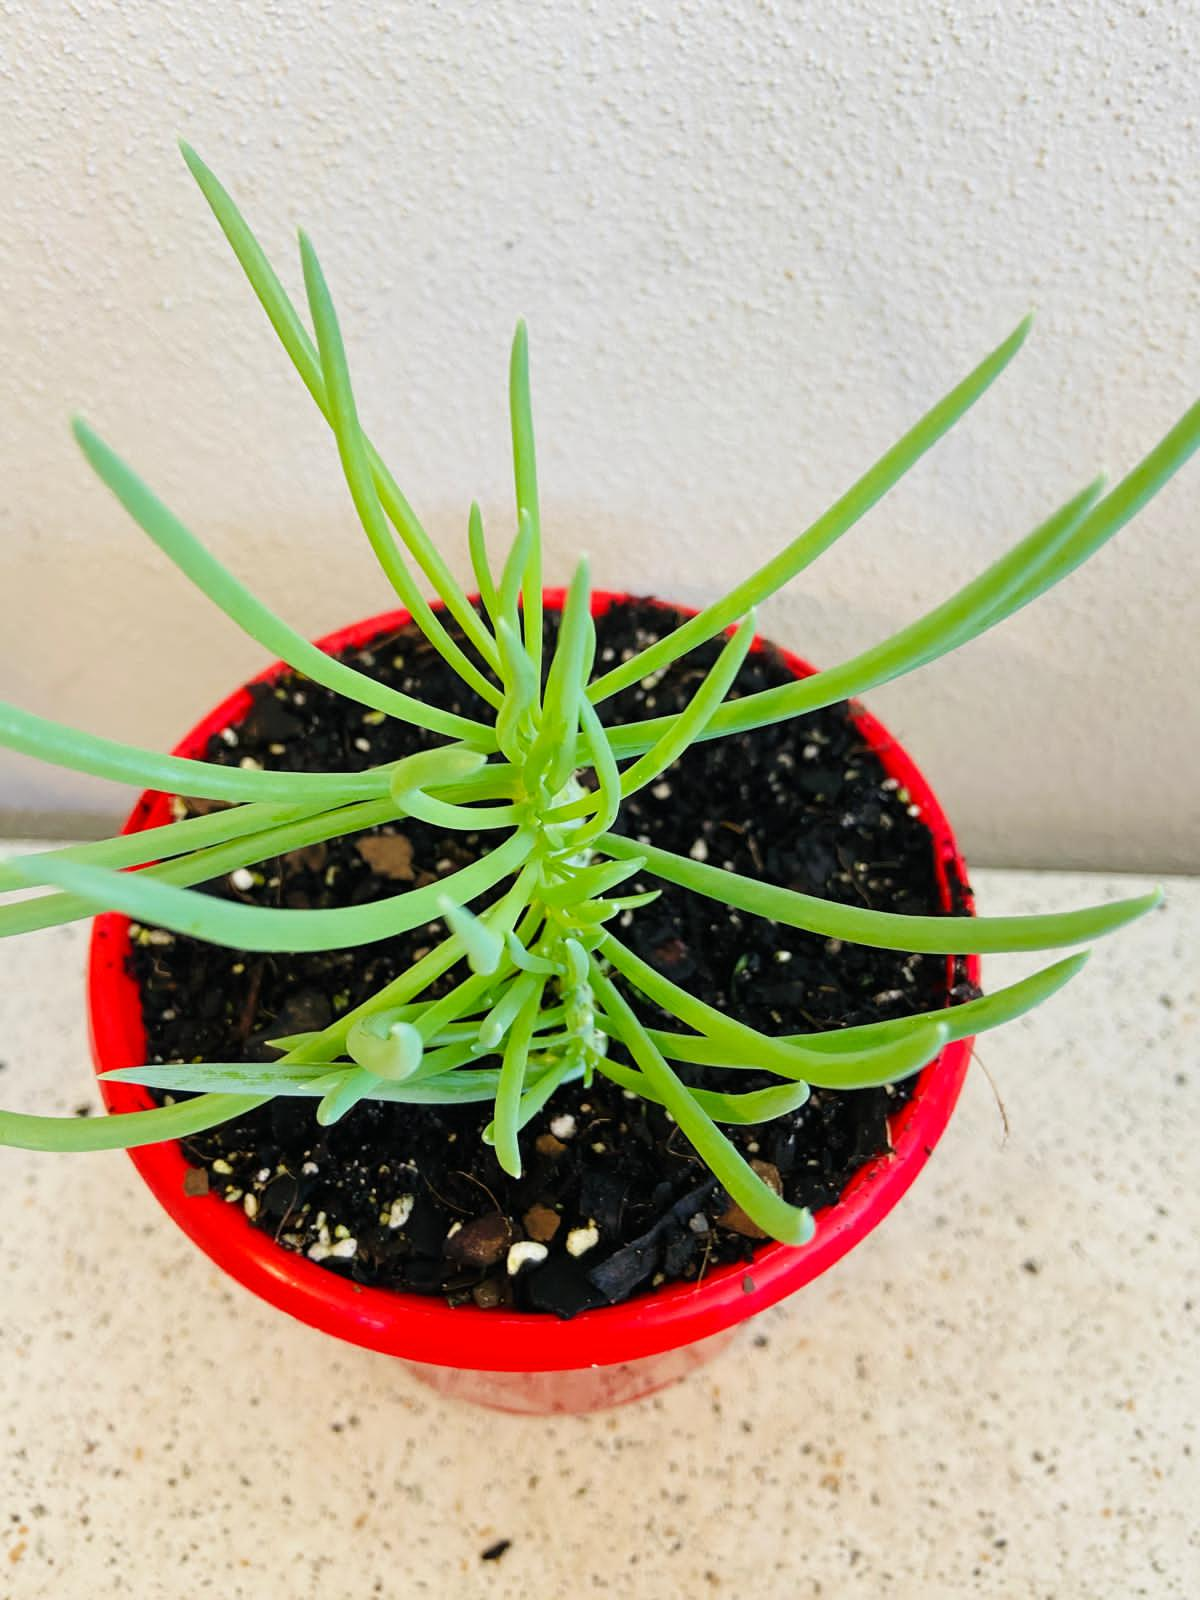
[{"x": 498, "y": 1357}]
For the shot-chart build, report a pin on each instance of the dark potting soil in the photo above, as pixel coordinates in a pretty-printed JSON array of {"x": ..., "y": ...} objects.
[{"x": 409, "y": 1197}]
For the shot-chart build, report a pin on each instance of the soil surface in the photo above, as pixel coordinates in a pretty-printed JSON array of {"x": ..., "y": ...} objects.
[{"x": 409, "y": 1197}]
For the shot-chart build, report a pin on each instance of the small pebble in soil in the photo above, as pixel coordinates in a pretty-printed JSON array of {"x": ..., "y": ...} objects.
[
  {"x": 482, "y": 1241},
  {"x": 581, "y": 1240},
  {"x": 389, "y": 855},
  {"x": 541, "y": 1223},
  {"x": 525, "y": 1253}
]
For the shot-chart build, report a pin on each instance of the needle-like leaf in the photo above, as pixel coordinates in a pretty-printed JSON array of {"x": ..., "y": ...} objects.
[
  {"x": 746, "y": 1109},
  {"x": 525, "y": 473},
  {"x": 480, "y": 564},
  {"x": 555, "y": 746},
  {"x": 850, "y": 1058},
  {"x": 64, "y": 746},
  {"x": 738, "y": 1044},
  {"x": 199, "y": 866},
  {"x": 791, "y": 1224},
  {"x": 512, "y": 1073},
  {"x": 828, "y": 528},
  {"x": 128, "y": 1131},
  {"x": 176, "y": 838},
  {"x": 300, "y": 350},
  {"x": 887, "y": 930},
  {"x": 483, "y": 945},
  {"x": 244, "y": 927},
  {"x": 203, "y": 569},
  {"x": 922, "y": 641},
  {"x": 356, "y": 463}
]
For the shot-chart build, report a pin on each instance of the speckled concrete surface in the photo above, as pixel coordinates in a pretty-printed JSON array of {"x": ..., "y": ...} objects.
[{"x": 996, "y": 1395}]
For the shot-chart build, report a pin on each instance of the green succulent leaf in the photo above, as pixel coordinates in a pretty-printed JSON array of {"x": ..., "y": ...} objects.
[
  {"x": 505, "y": 1011},
  {"x": 174, "y": 838},
  {"x": 128, "y": 1131},
  {"x": 244, "y": 1078},
  {"x": 747, "y": 1109},
  {"x": 513, "y": 574},
  {"x": 887, "y": 930},
  {"x": 245, "y": 927},
  {"x": 64, "y": 746},
  {"x": 608, "y": 777},
  {"x": 524, "y": 959},
  {"x": 527, "y": 990},
  {"x": 451, "y": 1084},
  {"x": 353, "y": 449},
  {"x": 937, "y": 632},
  {"x": 857, "y": 1058},
  {"x": 480, "y": 564},
  {"x": 303, "y": 355},
  {"x": 581, "y": 884},
  {"x": 199, "y": 866},
  {"x": 735, "y": 1044},
  {"x": 514, "y": 723},
  {"x": 203, "y": 569},
  {"x": 828, "y": 528},
  {"x": 791, "y": 1224},
  {"x": 555, "y": 746},
  {"x": 528, "y": 510},
  {"x": 342, "y": 1091},
  {"x": 537, "y": 1096},
  {"x": 681, "y": 731},
  {"x": 386, "y": 1045},
  {"x": 483, "y": 945}
]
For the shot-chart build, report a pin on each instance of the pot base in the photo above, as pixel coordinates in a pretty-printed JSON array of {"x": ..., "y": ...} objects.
[{"x": 551, "y": 1394}]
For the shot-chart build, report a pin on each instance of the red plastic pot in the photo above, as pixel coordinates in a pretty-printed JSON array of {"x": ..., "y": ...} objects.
[{"x": 520, "y": 1361}]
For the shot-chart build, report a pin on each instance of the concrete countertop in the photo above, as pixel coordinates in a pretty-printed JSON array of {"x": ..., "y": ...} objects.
[{"x": 997, "y": 1394}]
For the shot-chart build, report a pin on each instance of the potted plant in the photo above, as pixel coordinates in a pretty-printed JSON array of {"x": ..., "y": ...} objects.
[{"x": 534, "y": 985}]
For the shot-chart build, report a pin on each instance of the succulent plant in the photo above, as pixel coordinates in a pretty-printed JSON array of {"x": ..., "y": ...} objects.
[{"x": 544, "y": 993}]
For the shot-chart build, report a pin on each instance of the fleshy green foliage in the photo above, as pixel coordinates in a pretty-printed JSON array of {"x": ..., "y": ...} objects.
[{"x": 538, "y": 1007}]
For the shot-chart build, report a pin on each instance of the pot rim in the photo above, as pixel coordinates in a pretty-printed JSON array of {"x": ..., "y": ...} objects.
[{"x": 424, "y": 1328}]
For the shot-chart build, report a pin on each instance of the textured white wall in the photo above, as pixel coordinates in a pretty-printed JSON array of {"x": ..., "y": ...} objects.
[{"x": 753, "y": 241}]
